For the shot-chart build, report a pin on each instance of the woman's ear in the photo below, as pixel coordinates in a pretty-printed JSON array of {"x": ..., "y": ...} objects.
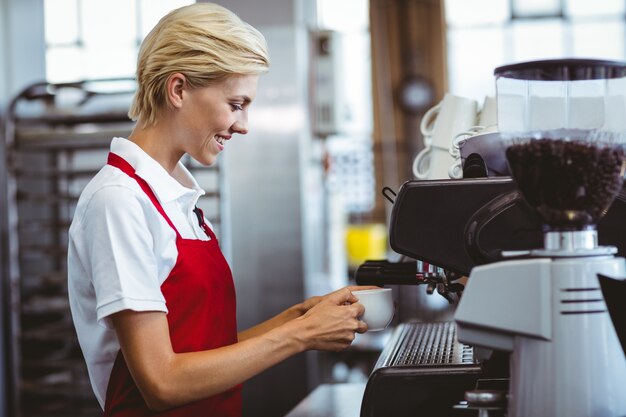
[{"x": 174, "y": 89}]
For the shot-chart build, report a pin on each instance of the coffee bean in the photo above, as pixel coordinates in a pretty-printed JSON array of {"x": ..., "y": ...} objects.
[{"x": 571, "y": 184}]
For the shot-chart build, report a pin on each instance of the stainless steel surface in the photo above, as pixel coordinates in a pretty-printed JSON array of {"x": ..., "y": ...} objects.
[
  {"x": 425, "y": 344},
  {"x": 267, "y": 198},
  {"x": 571, "y": 240},
  {"x": 485, "y": 397},
  {"x": 572, "y": 243},
  {"x": 331, "y": 400},
  {"x": 4, "y": 272}
]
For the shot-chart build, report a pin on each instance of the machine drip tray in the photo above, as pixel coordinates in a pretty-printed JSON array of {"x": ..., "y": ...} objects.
[
  {"x": 423, "y": 371},
  {"x": 416, "y": 344}
]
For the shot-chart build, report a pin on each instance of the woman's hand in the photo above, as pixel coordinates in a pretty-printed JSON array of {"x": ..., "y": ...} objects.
[
  {"x": 291, "y": 313},
  {"x": 309, "y": 303},
  {"x": 331, "y": 323}
]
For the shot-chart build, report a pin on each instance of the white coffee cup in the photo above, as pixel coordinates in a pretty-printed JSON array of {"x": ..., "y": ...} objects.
[
  {"x": 439, "y": 126},
  {"x": 487, "y": 122},
  {"x": 378, "y": 305},
  {"x": 488, "y": 116},
  {"x": 456, "y": 114},
  {"x": 451, "y": 115},
  {"x": 427, "y": 124},
  {"x": 432, "y": 164}
]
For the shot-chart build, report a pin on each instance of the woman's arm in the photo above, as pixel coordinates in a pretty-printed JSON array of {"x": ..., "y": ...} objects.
[
  {"x": 282, "y": 318},
  {"x": 167, "y": 379}
]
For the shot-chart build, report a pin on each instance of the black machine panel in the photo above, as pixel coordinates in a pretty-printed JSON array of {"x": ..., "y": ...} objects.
[
  {"x": 423, "y": 371},
  {"x": 437, "y": 222}
]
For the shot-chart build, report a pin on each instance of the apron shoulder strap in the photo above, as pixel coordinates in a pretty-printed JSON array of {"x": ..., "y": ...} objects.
[{"x": 120, "y": 163}]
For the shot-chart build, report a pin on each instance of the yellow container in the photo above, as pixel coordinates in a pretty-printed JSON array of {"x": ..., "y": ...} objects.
[{"x": 366, "y": 242}]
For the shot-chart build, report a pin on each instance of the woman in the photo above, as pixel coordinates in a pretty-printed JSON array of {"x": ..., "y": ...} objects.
[{"x": 151, "y": 295}]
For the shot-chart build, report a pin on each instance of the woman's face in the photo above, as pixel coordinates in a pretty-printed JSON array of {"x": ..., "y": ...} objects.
[{"x": 211, "y": 115}]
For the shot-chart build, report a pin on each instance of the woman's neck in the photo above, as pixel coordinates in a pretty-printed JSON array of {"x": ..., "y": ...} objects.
[{"x": 157, "y": 142}]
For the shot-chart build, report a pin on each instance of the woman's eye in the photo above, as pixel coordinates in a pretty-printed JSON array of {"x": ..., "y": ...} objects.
[{"x": 236, "y": 107}]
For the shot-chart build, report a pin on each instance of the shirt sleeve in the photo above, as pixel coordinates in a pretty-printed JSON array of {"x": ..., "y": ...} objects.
[{"x": 120, "y": 252}]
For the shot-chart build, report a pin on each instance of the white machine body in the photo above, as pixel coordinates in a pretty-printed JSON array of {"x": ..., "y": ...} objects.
[{"x": 550, "y": 313}]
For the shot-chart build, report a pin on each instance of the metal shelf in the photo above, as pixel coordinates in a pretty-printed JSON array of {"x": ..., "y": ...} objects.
[{"x": 51, "y": 153}]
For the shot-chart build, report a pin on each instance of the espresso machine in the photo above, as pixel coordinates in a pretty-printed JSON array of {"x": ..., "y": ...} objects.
[
  {"x": 563, "y": 125},
  {"x": 537, "y": 235}
]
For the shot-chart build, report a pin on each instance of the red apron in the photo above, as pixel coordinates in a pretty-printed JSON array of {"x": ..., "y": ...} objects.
[{"x": 200, "y": 297}]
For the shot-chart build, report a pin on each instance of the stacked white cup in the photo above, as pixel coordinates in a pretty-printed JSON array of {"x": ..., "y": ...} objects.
[
  {"x": 439, "y": 126},
  {"x": 487, "y": 123}
]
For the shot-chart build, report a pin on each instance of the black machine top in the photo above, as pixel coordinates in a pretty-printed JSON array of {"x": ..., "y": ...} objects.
[
  {"x": 458, "y": 224},
  {"x": 562, "y": 70}
]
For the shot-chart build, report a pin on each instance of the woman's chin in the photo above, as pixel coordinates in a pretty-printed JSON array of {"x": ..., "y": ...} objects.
[{"x": 208, "y": 160}]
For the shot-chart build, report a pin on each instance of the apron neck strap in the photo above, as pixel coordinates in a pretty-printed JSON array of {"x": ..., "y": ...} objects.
[{"x": 120, "y": 163}]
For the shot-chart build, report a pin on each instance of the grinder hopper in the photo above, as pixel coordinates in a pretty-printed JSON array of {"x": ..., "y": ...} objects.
[{"x": 547, "y": 307}]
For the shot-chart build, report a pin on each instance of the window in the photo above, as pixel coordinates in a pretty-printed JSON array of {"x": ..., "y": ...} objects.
[
  {"x": 484, "y": 34},
  {"x": 94, "y": 39}
]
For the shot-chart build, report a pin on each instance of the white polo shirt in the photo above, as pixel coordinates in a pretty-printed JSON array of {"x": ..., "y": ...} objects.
[{"x": 121, "y": 250}]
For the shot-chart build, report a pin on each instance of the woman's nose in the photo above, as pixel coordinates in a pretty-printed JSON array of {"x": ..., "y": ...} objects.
[{"x": 241, "y": 125}]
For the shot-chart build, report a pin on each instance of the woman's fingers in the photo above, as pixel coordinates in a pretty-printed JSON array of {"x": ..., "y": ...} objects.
[
  {"x": 342, "y": 296},
  {"x": 362, "y": 327},
  {"x": 362, "y": 287},
  {"x": 352, "y": 288},
  {"x": 335, "y": 322},
  {"x": 358, "y": 308}
]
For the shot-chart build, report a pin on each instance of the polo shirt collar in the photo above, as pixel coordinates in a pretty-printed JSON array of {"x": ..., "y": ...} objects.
[{"x": 166, "y": 187}]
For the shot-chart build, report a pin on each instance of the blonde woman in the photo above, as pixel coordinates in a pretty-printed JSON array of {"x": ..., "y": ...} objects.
[{"x": 152, "y": 297}]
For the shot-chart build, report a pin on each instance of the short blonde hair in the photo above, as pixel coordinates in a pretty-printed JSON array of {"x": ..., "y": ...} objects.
[{"x": 206, "y": 43}]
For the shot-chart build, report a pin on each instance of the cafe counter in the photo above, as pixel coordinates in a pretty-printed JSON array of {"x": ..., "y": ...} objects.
[{"x": 331, "y": 400}]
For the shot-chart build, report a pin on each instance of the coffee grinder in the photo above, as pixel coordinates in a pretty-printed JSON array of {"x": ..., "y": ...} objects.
[{"x": 563, "y": 122}]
